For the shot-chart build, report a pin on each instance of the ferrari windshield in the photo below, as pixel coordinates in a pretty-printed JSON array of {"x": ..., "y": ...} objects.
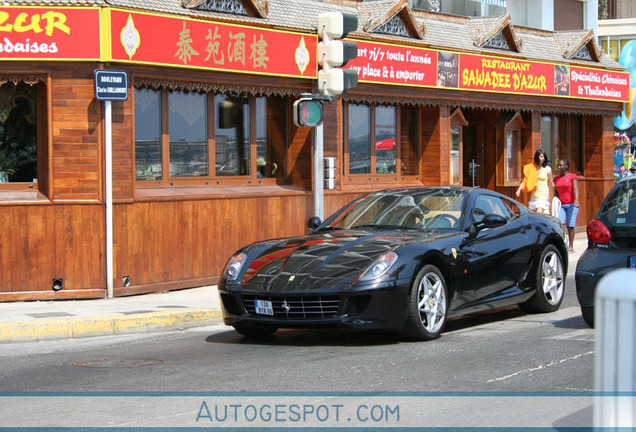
[{"x": 408, "y": 209}]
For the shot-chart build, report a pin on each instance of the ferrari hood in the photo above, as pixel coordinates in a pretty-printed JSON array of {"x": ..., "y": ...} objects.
[{"x": 303, "y": 262}]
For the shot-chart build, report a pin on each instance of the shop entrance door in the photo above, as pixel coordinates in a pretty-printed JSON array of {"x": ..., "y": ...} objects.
[{"x": 473, "y": 160}]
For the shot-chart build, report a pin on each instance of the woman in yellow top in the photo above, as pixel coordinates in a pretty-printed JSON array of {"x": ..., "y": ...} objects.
[{"x": 539, "y": 174}]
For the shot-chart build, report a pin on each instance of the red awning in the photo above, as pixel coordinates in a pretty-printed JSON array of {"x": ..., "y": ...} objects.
[{"x": 385, "y": 144}]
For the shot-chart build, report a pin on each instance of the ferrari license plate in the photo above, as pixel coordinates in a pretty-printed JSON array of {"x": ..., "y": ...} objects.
[{"x": 263, "y": 307}]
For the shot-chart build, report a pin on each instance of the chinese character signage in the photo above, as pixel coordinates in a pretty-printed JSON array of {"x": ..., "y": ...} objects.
[
  {"x": 42, "y": 33},
  {"x": 399, "y": 65},
  {"x": 162, "y": 40}
]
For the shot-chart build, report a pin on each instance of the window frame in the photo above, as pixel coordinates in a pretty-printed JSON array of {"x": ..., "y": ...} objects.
[
  {"x": 363, "y": 178},
  {"x": 564, "y": 130},
  {"x": 20, "y": 190},
  {"x": 458, "y": 121},
  {"x": 512, "y": 127},
  {"x": 213, "y": 179}
]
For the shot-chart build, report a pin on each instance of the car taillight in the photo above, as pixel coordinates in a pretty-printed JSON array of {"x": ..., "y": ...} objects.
[{"x": 597, "y": 232}]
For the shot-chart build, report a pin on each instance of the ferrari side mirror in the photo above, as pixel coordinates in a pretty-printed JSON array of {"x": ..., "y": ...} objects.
[
  {"x": 313, "y": 222},
  {"x": 493, "y": 221},
  {"x": 489, "y": 221}
]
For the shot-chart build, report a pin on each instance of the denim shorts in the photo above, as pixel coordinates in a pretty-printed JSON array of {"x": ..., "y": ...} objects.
[{"x": 568, "y": 214}]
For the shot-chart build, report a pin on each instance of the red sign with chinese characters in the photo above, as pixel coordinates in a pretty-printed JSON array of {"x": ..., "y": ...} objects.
[
  {"x": 162, "y": 40},
  {"x": 49, "y": 33},
  {"x": 394, "y": 64}
]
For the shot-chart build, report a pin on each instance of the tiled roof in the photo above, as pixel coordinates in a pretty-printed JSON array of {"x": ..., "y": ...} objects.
[
  {"x": 571, "y": 42},
  {"x": 373, "y": 14},
  {"x": 54, "y": 3},
  {"x": 437, "y": 31},
  {"x": 482, "y": 29}
]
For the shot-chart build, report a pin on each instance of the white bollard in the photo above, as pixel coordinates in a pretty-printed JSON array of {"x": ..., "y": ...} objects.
[{"x": 615, "y": 358}]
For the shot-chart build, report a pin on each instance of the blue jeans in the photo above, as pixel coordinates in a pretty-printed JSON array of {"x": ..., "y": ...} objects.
[{"x": 568, "y": 214}]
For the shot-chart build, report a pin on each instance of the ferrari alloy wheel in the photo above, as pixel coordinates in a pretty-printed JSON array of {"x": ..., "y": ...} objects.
[
  {"x": 428, "y": 305},
  {"x": 550, "y": 283}
]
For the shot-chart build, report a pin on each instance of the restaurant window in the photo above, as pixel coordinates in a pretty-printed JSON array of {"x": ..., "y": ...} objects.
[
  {"x": 236, "y": 139},
  {"x": 513, "y": 147},
  {"x": 188, "y": 131},
  {"x": 19, "y": 135},
  {"x": 232, "y": 135},
  {"x": 371, "y": 144},
  {"x": 562, "y": 138},
  {"x": 455, "y": 159},
  {"x": 458, "y": 121},
  {"x": 509, "y": 128},
  {"x": 148, "y": 155},
  {"x": 409, "y": 140}
]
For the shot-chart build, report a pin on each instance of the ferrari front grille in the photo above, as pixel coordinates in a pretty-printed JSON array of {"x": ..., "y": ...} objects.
[{"x": 296, "y": 307}]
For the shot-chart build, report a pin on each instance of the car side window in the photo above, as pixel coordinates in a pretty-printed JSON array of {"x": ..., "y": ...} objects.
[
  {"x": 487, "y": 204},
  {"x": 621, "y": 207},
  {"x": 513, "y": 208}
]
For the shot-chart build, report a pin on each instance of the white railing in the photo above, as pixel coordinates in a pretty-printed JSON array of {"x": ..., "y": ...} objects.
[{"x": 615, "y": 359}]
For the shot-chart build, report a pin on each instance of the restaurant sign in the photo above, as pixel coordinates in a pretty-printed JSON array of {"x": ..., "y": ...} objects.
[
  {"x": 419, "y": 67},
  {"x": 171, "y": 41},
  {"x": 40, "y": 33}
]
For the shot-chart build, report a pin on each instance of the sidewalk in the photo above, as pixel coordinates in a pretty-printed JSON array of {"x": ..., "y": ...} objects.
[
  {"x": 174, "y": 310},
  {"x": 68, "y": 319}
]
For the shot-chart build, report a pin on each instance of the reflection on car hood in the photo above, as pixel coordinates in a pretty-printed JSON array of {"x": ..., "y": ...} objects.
[{"x": 308, "y": 262}]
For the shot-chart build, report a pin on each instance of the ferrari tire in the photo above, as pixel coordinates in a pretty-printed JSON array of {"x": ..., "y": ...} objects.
[
  {"x": 428, "y": 305},
  {"x": 588, "y": 315},
  {"x": 549, "y": 283},
  {"x": 253, "y": 331}
]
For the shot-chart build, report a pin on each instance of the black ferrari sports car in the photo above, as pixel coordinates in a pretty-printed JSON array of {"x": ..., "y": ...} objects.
[{"x": 399, "y": 259}]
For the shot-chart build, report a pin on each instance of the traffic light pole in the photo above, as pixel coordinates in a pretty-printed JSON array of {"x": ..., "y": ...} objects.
[
  {"x": 319, "y": 182},
  {"x": 332, "y": 81}
]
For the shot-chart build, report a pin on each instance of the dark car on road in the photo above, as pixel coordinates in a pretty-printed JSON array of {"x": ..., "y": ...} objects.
[
  {"x": 400, "y": 259},
  {"x": 611, "y": 239}
]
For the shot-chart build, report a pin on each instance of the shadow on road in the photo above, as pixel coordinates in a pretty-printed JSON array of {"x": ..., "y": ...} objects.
[
  {"x": 348, "y": 337},
  {"x": 310, "y": 337},
  {"x": 575, "y": 322}
]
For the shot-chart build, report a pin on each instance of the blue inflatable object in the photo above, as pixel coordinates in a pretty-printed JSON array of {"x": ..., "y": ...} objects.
[{"x": 627, "y": 58}]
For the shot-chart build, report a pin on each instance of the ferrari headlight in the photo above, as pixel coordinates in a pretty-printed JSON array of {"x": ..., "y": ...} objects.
[
  {"x": 234, "y": 266},
  {"x": 380, "y": 266}
]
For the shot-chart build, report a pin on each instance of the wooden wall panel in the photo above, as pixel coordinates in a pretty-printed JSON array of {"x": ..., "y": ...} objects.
[
  {"x": 598, "y": 166},
  {"x": 186, "y": 243},
  {"x": 47, "y": 242},
  {"x": 300, "y": 156},
  {"x": 593, "y": 154},
  {"x": 123, "y": 148},
  {"x": 431, "y": 130},
  {"x": 444, "y": 145},
  {"x": 490, "y": 149},
  {"x": 76, "y": 128}
]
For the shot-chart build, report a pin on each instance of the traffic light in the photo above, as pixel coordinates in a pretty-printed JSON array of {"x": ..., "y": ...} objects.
[
  {"x": 307, "y": 111},
  {"x": 333, "y": 53}
]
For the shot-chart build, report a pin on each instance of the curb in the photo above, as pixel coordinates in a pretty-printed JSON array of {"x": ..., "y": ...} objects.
[{"x": 73, "y": 328}]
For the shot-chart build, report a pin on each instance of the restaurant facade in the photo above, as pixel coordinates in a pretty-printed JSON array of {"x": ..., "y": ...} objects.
[{"x": 203, "y": 156}]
